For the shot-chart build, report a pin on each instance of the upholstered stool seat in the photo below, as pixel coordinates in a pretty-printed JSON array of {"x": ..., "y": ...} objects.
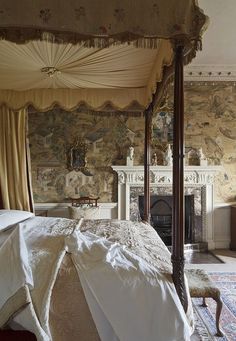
[{"x": 200, "y": 285}]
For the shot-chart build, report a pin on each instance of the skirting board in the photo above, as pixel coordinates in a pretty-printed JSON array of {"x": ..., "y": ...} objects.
[{"x": 222, "y": 244}]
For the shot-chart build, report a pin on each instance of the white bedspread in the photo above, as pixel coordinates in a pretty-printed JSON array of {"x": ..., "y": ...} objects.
[
  {"x": 134, "y": 297},
  {"x": 128, "y": 298},
  {"x": 37, "y": 246}
]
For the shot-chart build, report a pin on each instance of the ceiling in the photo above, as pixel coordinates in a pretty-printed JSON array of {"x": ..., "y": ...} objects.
[{"x": 217, "y": 60}]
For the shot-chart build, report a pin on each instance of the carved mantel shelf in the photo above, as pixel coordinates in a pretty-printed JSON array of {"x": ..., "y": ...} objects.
[
  {"x": 163, "y": 174},
  {"x": 194, "y": 176}
]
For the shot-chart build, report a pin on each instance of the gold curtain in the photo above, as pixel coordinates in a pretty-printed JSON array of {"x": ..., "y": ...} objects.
[{"x": 15, "y": 183}]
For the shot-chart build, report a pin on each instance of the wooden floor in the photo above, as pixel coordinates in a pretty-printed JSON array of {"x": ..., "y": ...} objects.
[{"x": 228, "y": 258}]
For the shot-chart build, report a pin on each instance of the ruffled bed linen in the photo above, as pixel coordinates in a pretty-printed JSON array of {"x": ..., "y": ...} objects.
[{"x": 65, "y": 320}]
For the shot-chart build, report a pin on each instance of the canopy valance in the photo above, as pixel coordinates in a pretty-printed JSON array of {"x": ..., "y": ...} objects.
[
  {"x": 110, "y": 53},
  {"x": 98, "y": 22}
]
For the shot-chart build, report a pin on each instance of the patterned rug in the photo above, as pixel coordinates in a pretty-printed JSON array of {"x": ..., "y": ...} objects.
[{"x": 226, "y": 281}]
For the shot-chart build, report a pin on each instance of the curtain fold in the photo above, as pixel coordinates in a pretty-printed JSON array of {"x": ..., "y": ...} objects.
[{"x": 15, "y": 183}]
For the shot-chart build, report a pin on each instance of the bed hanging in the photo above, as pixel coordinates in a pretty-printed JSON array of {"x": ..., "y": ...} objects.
[{"x": 105, "y": 55}]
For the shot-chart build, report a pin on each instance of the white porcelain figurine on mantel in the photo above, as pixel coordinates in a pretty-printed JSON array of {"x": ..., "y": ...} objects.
[
  {"x": 154, "y": 159},
  {"x": 130, "y": 156},
  {"x": 168, "y": 156},
  {"x": 202, "y": 158}
]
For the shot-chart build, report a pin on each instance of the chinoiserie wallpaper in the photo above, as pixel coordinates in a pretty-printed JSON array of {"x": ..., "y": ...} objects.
[
  {"x": 108, "y": 138},
  {"x": 210, "y": 124}
]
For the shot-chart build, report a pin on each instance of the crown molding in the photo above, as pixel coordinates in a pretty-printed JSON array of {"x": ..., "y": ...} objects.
[{"x": 208, "y": 72}]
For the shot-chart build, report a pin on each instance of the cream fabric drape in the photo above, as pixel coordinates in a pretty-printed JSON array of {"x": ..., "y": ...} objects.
[
  {"x": 79, "y": 67},
  {"x": 14, "y": 169},
  {"x": 119, "y": 75}
]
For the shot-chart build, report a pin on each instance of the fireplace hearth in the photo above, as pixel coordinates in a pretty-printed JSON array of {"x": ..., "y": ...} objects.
[{"x": 161, "y": 216}]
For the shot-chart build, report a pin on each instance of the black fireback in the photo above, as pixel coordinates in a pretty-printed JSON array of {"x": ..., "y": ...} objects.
[{"x": 161, "y": 216}]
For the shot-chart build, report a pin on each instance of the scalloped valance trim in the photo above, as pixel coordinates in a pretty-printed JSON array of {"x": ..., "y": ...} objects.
[
  {"x": 106, "y": 108},
  {"x": 84, "y": 108}
]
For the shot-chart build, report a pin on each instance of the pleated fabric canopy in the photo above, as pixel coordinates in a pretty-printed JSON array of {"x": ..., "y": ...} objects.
[{"x": 104, "y": 54}]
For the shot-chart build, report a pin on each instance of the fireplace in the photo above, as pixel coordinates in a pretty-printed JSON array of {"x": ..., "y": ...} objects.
[
  {"x": 161, "y": 216},
  {"x": 198, "y": 181}
]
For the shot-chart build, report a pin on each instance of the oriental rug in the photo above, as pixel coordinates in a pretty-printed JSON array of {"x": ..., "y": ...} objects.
[{"x": 226, "y": 281}]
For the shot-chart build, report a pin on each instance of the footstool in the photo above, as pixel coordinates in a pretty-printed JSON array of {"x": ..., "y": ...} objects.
[{"x": 200, "y": 285}]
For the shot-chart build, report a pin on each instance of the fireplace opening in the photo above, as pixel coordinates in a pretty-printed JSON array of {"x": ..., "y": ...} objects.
[{"x": 161, "y": 216}]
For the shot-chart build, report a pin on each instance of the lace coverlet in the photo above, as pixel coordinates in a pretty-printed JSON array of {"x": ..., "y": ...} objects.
[{"x": 140, "y": 238}]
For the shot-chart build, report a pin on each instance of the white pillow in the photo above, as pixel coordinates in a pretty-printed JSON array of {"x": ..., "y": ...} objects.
[
  {"x": 84, "y": 212},
  {"x": 11, "y": 217}
]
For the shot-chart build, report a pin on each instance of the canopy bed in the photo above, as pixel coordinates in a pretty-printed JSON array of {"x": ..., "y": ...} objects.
[{"x": 106, "y": 56}]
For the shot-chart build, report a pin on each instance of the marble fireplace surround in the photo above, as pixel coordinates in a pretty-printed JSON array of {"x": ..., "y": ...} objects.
[{"x": 199, "y": 181}]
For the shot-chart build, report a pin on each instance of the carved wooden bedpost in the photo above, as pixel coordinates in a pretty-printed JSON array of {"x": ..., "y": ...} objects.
[
  {"x": 148, "y": 121},
  {"x": 178, "y": 177}
]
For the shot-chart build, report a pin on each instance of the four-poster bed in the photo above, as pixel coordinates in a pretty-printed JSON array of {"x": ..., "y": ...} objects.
[{"x": 138, "y": 46}]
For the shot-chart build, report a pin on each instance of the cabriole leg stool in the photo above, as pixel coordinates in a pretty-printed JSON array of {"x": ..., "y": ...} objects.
[{"x": 200, "y": 285}]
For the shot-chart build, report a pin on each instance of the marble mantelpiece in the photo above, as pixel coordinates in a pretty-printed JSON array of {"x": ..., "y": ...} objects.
[{"x": 201, "y": 177}]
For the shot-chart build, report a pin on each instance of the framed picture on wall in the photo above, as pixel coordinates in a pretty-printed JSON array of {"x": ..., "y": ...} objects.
[{"x": 77, "y": 156}]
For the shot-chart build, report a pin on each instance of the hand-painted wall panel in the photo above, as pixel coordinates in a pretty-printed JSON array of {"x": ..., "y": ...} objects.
[
  {"x": 108, "y": 138},
  {"x": 210, "y": 124}
]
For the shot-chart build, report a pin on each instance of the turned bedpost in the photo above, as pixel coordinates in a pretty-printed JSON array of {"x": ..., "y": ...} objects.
[
  {"x": 147, "y": 139},
  {"x": 178, "y": 178}
]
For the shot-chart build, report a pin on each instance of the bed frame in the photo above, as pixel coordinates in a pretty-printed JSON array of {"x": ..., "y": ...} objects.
[
  {"x": 178, "y": 167},
  {"x": 183, "y": 49},
  {"x": 177, "y": 256}
]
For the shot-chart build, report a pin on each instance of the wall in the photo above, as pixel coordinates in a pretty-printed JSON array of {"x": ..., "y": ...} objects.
[
  {"x": 210, "y": 123},
  {"x": 108, "y": 138}
]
